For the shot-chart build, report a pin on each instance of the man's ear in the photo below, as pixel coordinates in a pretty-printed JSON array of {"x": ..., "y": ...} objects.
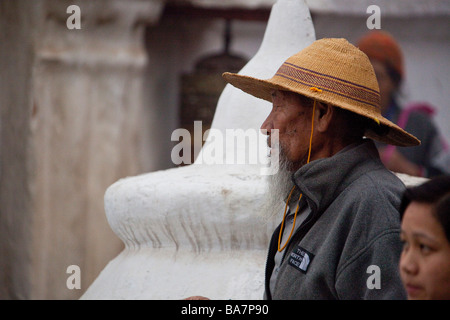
[{"x": 324, "y": 114}]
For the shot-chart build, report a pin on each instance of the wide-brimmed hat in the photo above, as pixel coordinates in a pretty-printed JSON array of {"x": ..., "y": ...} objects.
[{"x": 335, "y": 72}]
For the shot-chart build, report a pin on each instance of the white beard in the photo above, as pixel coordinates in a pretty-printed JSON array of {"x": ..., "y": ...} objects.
[{"x": 279, "y": 185}]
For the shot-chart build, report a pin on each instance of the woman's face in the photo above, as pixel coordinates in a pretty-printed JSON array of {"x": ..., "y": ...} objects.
[
  {"x": 425, "y": 259},
  {"x": 385, "y": 83}
]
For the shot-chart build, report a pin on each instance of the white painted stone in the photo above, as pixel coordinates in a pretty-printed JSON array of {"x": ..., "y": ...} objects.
[
  {"x": 410, "y": 180},
  {"x": 197, "y": 230}
]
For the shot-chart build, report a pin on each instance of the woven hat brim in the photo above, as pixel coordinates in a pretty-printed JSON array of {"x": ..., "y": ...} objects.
[{"x": 392, "y": 133}]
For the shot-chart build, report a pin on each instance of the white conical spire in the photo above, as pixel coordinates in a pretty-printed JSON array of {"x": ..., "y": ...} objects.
[{"x": 289, "y": 30}]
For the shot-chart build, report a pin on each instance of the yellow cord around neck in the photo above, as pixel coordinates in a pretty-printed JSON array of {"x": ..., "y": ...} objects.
[{"x": 293, "y": 188}]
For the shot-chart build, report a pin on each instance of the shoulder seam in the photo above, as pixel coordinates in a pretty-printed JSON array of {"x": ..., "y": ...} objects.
[{"x": 359, "y": 253}]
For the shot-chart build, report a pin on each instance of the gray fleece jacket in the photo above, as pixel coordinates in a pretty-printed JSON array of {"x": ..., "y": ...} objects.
[{"x": 348, "y": 247}]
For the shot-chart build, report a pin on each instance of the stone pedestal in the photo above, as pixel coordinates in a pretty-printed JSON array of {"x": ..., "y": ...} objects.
[{"x": 71, "y": 125}]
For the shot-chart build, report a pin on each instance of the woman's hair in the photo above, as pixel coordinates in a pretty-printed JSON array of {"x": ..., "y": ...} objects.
[{"x": 435, "y": 192}]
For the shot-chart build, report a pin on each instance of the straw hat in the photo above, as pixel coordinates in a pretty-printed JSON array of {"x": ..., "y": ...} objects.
[{"x": 331, "y": 71}]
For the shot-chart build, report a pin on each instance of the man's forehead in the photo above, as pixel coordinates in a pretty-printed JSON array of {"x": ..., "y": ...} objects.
[{"x": 281, "y": 94}]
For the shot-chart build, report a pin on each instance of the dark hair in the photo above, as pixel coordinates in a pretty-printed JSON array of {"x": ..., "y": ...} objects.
[
  {"x": 357, "y": 125},
  {"x": 436, "y": 192}
]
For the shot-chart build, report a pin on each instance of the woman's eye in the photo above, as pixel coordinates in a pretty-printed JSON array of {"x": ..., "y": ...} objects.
[
  {"x": 404, "y": 244},
  {"x": 424, "y": 248}
]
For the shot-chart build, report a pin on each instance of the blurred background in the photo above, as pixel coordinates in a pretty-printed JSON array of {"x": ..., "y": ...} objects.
[{"x": 83, "y": 108}]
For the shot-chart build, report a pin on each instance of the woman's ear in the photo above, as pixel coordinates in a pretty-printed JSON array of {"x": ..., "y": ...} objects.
[{"x": 324, "y": 115}]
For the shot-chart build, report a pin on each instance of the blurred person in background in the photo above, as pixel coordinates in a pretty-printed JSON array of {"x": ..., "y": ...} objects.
[
  {"x": 425, "y": 233},
  {"x": 429, "y": 159}
]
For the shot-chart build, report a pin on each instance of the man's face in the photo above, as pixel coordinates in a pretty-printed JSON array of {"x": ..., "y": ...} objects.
[{"x": 291, "y": 115}]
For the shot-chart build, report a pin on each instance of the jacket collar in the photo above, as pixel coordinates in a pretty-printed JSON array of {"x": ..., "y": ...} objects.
[{"x": 322, "y": 180}]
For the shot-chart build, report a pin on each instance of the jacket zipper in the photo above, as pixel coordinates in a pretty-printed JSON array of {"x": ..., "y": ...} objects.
[{"x": 303, "y": 228}]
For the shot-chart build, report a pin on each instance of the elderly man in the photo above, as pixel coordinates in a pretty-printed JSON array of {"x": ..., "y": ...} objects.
[{"x": 339, "y": 234}]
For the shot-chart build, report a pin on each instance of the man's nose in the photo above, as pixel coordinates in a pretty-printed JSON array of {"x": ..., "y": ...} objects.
[{"x": 266, "y": 126}]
